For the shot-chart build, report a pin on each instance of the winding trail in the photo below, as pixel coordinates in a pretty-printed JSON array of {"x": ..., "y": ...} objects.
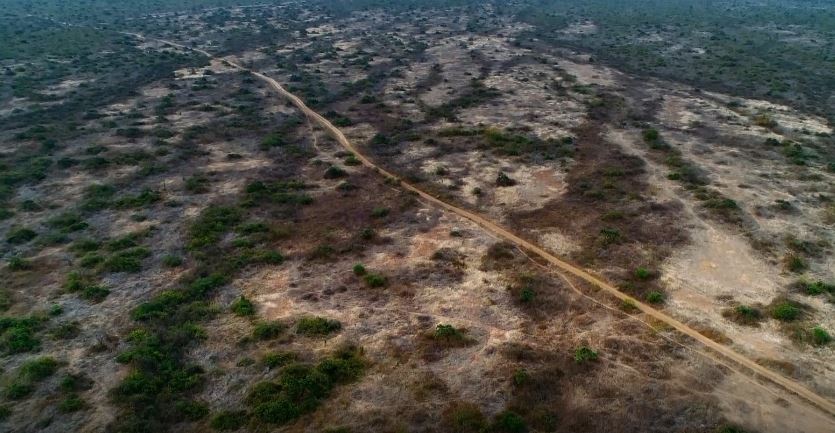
[{"x": 496, "y": 229}]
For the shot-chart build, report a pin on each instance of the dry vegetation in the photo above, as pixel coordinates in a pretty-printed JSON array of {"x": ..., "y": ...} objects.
[{"x": 193, "y": 255}]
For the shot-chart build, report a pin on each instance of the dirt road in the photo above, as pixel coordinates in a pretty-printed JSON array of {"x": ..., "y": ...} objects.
[{"x": 496, "y": 229}]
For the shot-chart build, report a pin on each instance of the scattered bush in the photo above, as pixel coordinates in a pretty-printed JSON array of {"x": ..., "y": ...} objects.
[
  {"x": 643, "y": 273},
  {"x": 334, "y": 172},
  {"x": 785, "y": 311},
  {"x": 126, "y": 261},
  {"x": 375, "y": 280},
  {"x": 508, "y": 422},
  {"x": 584, "y": 354},
  {"x": 192, "y": 410},
  {"x": 38, "y": 369},
  {"x": 521, "y": 377},
  {"x": 19, "y": 264},
  {"x": 300, "y": 389},
  {"x": 278, "y": 359},
  {"x": 450, "y": 336},
  {"x": 243, "y": 307},
  {"x": 317, "y": 326},
  {"x": 171, "y": 260},
  {"x": 359, "y": 270},
  {"x": 820, "y": 337},
  {"x": 655, "y": 297},
  {"x": 464, "y": 418},
  {"x": 795, "y": 263},
  {"x": 229, "y": 420},
  {"x": 379, "y": 212},
  {"x": 72, "y": 403},
  {"x": 20, "y": 235},
  {"x": 502, "y": 180},
  {"x": 267, "y": 330}
]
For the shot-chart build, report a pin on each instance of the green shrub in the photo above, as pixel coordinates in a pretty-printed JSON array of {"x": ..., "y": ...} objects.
[
  {"x": 818, "y": 288},
  {"x": 272, "y": 140},
  {"x": 267, "y": 330},
  {"x": 795, "y": 263},
  {"x": 20, "y": 235},
  {"x": 785, "y": 311},
  {"x": 655, "y": 297},
  {"x": 300, "y": 389},
  {"x": 527, "y": 295},
  {"x": 67, "y": 222},
  {"x": 379, "y": 212},
  {"x": 375, "y": 280},
  {"x": 643, "y": 273},
  {"x": 19, "y": 264},
  {"x": 72, "y": 382},
  {"x": 229, "y": 420},
  {"x": 317, "y": 326},
  {"x": 145, "y": 198},
  {"x": 609, "y": 236},
  {"x": 197, "y": 184},
  {"x": 359, "y": 270},
  {"x": 334, "y": 172},
  {"x": 278, "y": 359},
  {"x": 72, "y": 403},
  {"x": 97, "y": 197},
  {"x": 172, "y": 260},
  {"x": 94, "y": 293},
  {"x": 5, "y": 412},
  {"x": 17, "y": 335},
  {"x": 127, "y": 261},
  {"x": 584, "y": 354},
  {"x": 212, "y": 223},
  {"x": 502, "y": 180},
  {"x": 192, "y": 410},
  {"x": 464, "y": 418},
  {"x": 18, "y": 390},
  {"x": 651, "y": 135},
  {"x": 521, "y": 377},
  {"x": 243, "y": 307},
  {"x": 820, "y": 337},
  {"x": 91, "y": 260},
  {"x": 38, "y": 369},
  {"x": 66, "y": 331},
  {"x": 5, "y": 300},
  {"x": 508, "y": 422},
  {"x": 448, "y": 335}
]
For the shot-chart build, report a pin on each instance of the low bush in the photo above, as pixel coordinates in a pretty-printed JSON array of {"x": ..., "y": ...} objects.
[
  {"x": 72, "y": 403},
  {"x": 242, "y": 307},
  {"x": 317, "y": 326},
  {"x": 359, "y": 270},
  {"x": 229, "y": 420},
  {"x": 19, "y": 264},
  {"x": 268, "y": 330},
  {"x": 172, "y": 260},
  {"x": 38, "y": 369},
  {"x": 192, "y": 410},
  {"x": 785, "y": 311},
  {"x": 375, "y": 280},
  {"x": 655, "y": 297},
  {"x": 820, "y": 337},
  {"x": 508, "y": 422},
  {"x": 584, "y": 354},
  {"x": 450, "y": 336},
  {"x": 20, "y": 235},
  {"x": 17, "y": 335},
  {"x": 300, "y": 388},
  {"x": 278, "y": 359}
]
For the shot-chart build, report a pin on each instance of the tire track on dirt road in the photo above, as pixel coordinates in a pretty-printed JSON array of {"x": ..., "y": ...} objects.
[{"x": 496, "y": 229}]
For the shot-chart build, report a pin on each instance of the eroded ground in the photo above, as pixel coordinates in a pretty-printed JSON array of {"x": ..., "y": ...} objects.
[{"x": 196, "y": 255}]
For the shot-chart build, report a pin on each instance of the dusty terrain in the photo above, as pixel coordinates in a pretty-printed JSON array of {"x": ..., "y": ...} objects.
[{"x": 726, "y": 205}]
